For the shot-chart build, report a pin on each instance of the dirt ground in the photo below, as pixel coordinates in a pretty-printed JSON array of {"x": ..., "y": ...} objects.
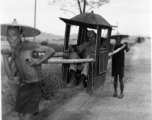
[
  {"x": 71, "y": 104},
  {"x": 136, "y": 104}
]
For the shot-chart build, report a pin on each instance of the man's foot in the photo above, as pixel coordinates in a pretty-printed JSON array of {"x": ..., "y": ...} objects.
[
  {"x": 80, "y": 85},
  {"x": 121, "y": 96},
  {"x": 115, "y": 94},
  {"x": 71, "y": 84}
]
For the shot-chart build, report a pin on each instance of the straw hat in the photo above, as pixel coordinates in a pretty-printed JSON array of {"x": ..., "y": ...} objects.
[
  {"x": 27, "y": 31},
  {"x": 118, "y": 34}
]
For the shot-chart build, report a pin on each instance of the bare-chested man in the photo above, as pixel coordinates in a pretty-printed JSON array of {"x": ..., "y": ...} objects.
[{"x": 29, "y": 91}]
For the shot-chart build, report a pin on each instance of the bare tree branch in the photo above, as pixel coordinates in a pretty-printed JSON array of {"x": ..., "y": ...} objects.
[
  {"x": 97, "y": 4},
  {"x": 84, "y": 6},
  {"x": 51, "y": 3},
  {"x": 90, "y": 9},
  {"x": 68, "y": 11},
  {"x": 79, "y": 6}
]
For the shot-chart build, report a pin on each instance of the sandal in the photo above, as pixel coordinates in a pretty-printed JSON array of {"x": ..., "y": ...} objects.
[{"x": 115, "y": 94}]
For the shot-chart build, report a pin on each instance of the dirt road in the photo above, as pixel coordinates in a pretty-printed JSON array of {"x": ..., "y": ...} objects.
[{"x": 136, "y": 104}]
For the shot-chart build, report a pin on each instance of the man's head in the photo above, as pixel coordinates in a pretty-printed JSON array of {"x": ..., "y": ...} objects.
[
  {"x": 118, "y": 39},
  {"x": 14, "y": 36},
  {"x": 92, "y": 36}
]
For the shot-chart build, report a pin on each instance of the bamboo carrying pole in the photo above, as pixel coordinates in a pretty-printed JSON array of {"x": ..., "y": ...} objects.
[
  {"x": 116, "y": 51},
  {"x": 69, "y": 61}
]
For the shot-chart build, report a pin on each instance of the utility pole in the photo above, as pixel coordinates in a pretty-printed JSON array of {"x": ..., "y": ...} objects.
[{"x": 34, "y": 17}]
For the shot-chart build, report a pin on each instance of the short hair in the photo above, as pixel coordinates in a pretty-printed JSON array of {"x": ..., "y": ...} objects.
[{"x": 15, "y": 27}]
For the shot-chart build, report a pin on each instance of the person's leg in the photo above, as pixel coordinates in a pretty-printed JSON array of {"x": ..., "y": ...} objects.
[
  {"x": 81, "y": 82},
  {"x": 73, "y": 55},
  {"x": 72, "y": 79},
  {"x": 85, "y": 68},
  {"x": 30, "y": 100},
  {"x": 20, "y": 116},
  {"x": 72, "y": 69},
  {"x": 121, "y": 87},
  {"x": 115, "y": 85},
  {"x": 18, "y": 103},
  {"x": 28, "y": 116},
  {"x": 84, "y": 74}
]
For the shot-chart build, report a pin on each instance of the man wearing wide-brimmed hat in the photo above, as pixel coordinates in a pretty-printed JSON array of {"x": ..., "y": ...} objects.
[
  {"x": 118, "y": 63},
  {"x": 88, "y": 49},
  {"x": 28, "y": 69}
]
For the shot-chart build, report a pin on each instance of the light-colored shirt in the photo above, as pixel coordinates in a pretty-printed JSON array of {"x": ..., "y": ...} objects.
[{"x": 87, "y": 47}]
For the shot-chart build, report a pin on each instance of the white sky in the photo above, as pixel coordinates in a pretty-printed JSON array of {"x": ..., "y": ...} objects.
[{"x": 133, "y": 16}]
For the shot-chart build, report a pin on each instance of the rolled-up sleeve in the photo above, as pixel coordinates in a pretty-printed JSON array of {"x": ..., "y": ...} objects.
[{"x": 83, "y": 46}]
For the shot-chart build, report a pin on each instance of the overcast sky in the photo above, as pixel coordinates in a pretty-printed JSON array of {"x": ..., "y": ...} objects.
[{"x": 133, "y": 16}]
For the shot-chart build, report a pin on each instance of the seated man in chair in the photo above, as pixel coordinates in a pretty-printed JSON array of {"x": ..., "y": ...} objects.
[{"x": 88, "y": 48}]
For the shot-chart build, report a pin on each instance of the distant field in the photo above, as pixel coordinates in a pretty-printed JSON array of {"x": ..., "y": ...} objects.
[{"x": 4, "y": 44}]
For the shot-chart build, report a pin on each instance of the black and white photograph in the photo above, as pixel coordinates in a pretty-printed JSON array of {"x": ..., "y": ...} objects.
[{"x": 75, "y": 60}]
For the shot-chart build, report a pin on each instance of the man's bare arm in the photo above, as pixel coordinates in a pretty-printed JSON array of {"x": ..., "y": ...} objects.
[
  {"x": 7, "y": 67},
  {"x": 10, "y": 68},
  {"x": 13, "y": 68},
  {"x": 49, "y": 52},
  {"x": 127, "y": 48}
]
